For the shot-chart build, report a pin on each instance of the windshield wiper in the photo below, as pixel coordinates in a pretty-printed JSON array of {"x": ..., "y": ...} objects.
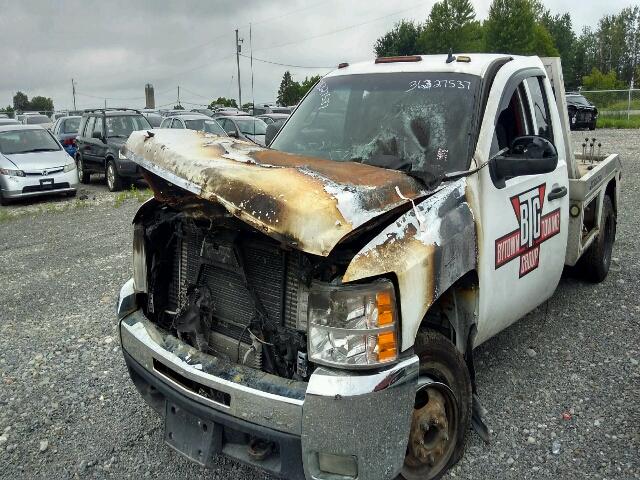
[
  {"x": 118, "y": 136},
  {"x": 33, "y": 150}
]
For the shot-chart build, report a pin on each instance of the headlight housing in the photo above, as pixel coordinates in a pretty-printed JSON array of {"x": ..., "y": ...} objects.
[
  {"x": 139, "y": 259},
  {"x": 11, "y": 173},
  {"x": 352, "y": 326},
  {"x": 69, "y": 167}
]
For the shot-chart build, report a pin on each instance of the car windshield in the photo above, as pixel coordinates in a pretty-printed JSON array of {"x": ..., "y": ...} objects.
[
  {"x": 579, "y": 99},
  {"x": 195, "y": 124},
  {"x": 153, "y": 119},
  {"x": 122, "y": 126},
  {"x": 405, "y": 121},
  {"x": 211, "y": 126},
  {"x": 71, "y": 125},
  {"x": 37, "y": 119},
  {"x": 27, "y": 141},
  {"x": 252, "y": 126}
]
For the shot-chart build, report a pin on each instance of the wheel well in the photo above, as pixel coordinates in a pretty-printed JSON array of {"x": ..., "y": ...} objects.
[
  {"x": 611, "y": 192},
  {"x": 454, "y": 312}
]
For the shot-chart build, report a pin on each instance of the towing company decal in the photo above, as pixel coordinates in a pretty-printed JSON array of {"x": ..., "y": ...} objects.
[{"x": 534, "y": 229}]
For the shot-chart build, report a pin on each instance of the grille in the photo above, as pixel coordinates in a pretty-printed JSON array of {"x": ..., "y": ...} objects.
[
  {"x": 46, "y": 188},
  {"x": 272, "y": 273}
]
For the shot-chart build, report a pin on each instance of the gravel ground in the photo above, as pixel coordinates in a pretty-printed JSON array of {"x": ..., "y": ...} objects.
[{"x": 68, "y": 409}]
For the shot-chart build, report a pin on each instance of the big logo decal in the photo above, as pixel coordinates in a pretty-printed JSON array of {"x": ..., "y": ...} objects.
[{"x": 534, "y": 228}]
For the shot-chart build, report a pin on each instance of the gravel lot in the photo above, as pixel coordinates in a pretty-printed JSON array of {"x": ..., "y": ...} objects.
[{"x": 68, "y": 409}]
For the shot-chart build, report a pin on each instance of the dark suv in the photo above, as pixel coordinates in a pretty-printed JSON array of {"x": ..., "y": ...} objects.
[{"x": 102, "y": 132}]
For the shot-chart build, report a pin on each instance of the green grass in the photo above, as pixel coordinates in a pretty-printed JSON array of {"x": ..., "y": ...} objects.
[
  {"x": 618, "y": 121},
  {"x": 132, "y": 193}
]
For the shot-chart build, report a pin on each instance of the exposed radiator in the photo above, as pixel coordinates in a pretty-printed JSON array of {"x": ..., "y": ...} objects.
[{"x": 271, "y": 272}]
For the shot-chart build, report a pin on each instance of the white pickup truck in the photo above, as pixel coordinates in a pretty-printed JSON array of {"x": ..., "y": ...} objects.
[{"x": 311, "y": 308}]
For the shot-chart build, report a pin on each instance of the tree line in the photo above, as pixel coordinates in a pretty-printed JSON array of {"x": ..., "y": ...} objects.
[
  {"x": 21, "y": 103},
  {"x": 601, "y": 57}
]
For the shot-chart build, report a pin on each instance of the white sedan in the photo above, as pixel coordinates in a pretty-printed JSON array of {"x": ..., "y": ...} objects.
[{"x": 32, "y": 162}]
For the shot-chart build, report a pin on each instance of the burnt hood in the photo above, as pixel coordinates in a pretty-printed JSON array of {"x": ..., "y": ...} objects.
[{"x": 310, "y": 202}]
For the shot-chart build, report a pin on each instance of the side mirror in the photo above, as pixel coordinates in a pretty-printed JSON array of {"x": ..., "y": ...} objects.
[
  {"x": 96, "y": 135},
  {"x": 272, "y": 130},
  {"x": 528, "y": 155},
  {"x": 233, "y": 134}
]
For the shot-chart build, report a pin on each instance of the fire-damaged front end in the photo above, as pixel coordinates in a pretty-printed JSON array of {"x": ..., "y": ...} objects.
[{"x": 273, "y": 298}]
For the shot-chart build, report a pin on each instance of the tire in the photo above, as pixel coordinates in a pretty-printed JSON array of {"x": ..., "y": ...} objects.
[
  {"x": 442, "y": 362},
  {"x": 597, "y": 259},
  {"x": 72, "y": 194},
  {"x": 114, "y": 181},
  {"x": 83, "y": 175}
]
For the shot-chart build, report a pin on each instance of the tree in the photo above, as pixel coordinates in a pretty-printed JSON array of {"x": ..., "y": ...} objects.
[
  {"x": 598, "y": 80},
  {"x": 401, "y": 40},
  {"x": 451, "y": 25},
  {"x": 247, "y": 106},
  {"x": 584, "y": 55},
  {"x": 9, "y": 111},
  {"x": 41, "y": 104},
  {"x": 20, "y": 102},
  {"x": 223, "y": 102},
  {"x": 289, "y": 91},
  {"x": 306, "y": 85},
  {"x": 564, "y": 40}
]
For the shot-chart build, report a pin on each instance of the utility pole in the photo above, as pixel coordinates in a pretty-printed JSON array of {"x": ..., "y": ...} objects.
[
  {"x": 178, "y": 95},
  {"x": 238, "y": 41},
  {"x": 73, "y": 90}
]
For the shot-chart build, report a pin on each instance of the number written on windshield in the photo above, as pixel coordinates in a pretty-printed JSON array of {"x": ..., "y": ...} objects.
[{"x": 429, "y": 84}]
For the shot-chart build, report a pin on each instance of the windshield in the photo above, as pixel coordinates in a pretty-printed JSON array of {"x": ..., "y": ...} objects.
[
  {"x": 37, "y": 119},
  {"x": 122, "y": 126},
  {"x": 252, "y": 126},
  {"x": 406, "y": 121},
  {"x": 26, "y": 141},
  {"x": 71, "y": 125},
  {"x": 579, "y": 99},
  {"x": 211, "y": 126}
]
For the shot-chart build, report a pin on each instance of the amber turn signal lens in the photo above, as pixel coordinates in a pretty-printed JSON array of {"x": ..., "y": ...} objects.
[
  {"x": 385, "y": 313},
  {"x": 386, "y": 346}
]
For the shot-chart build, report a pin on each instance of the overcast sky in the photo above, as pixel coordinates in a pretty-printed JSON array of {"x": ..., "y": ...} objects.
[{"x": 112, "y": 48}]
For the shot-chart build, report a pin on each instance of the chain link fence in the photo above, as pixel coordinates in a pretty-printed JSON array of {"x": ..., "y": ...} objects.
[{"x": 615, "y": 104}]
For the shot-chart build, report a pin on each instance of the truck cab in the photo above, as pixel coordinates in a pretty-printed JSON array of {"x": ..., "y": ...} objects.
[{"x": 312, "y": 308}]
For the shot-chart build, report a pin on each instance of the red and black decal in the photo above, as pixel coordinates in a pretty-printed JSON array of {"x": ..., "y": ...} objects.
[{"x": 534, "y": 229}]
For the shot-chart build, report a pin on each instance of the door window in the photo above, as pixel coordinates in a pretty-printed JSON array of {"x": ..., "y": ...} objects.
[
  {"x": 88, "y": 129},
  {"x": 176, "y": 123},
  {"x": 540, "y": 107},
  {"x": 513, "y": 121},
  {"x": 98, "y": 127}
]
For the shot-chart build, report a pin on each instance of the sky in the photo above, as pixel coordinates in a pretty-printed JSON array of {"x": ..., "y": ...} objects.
[{"x": 113, "y": 48}]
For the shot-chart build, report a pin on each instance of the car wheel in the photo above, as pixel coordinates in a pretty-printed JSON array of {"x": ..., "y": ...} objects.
[
  {"x": 72, "y": 194},
  {"x": 597, "y": 259},
  {"x": 114, "y": 182},
  {"x": 442, "y": 411},
  {"x": 83, "y": 175}
]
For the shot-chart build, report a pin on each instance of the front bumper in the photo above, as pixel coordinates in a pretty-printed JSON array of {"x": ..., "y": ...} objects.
[
  {"x": 31, "y": 185},
  {"x": 339, "y": 417}
]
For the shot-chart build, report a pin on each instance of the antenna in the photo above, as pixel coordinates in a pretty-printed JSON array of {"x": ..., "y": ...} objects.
[
  {"x": 73, "y": 90},
  {"x": 451, "y": 57}
]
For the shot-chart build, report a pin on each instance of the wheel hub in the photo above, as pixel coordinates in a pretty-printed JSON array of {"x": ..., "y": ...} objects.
[{"x": 433, "y": 436}]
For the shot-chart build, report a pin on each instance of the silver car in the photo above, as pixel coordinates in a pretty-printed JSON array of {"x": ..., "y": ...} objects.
[{"x": 32, "y": 162}]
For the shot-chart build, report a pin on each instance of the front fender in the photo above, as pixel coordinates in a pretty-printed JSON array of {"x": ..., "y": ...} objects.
[{"x": 428, "y": 249}]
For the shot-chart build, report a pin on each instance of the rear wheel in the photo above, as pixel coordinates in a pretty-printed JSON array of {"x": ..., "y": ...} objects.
[
  {"x": 83, "y": 175},
  {"x": 597, "y": 259},
  {"x": 442, "y": 411},
  {"x": 114, "y": 182}
]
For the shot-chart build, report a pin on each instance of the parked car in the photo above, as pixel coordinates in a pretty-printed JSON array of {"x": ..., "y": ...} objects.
[
  {"x": 4, "y": 115},
  {"x": 582, "y": 113},
  {"x": 262, "y": 109},
  {"x": 244, "y": 128},
  {"x": 228, "y": 111},
  {"x": 154, "y": 118},
  {"x": 205, "y": 111},
  {"x": 101, "y": 134},
  {"x": 9, "y": 121},
  {"x": 37, "y": 119},
  {"x": 270, "y": 118},
  {"x": 194, "y": 122},
  {"x": 32, "y": 162},
  {"x": 66, "y": 130},
  {"x": 173, "y": 113}
]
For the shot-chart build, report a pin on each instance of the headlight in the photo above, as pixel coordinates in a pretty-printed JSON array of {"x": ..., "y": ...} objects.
[
  {"x": 352, "y": 325},
  {"x": 70, "y": 167},
  {"x": 139, "y": 259},
  {"x": 12, "y": 173}
]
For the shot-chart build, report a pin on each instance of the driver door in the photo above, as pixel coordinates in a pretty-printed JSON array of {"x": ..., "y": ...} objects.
[{"x": 524, "y": 219}]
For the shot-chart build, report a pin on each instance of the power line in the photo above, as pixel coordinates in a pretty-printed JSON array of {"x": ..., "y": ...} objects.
[
  {"x": 282, "y": 64},
  {"x": 342, "y": 29}
]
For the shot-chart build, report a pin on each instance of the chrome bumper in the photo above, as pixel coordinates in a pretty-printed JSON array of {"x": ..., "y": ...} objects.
[{"x": 359, "y": 418}]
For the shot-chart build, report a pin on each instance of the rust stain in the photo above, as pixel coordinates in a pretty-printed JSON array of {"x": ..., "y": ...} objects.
[{"x": 310, "y": 202}]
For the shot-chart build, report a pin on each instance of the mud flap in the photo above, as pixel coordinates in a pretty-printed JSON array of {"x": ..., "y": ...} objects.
[{"x": 478, "y": 414}]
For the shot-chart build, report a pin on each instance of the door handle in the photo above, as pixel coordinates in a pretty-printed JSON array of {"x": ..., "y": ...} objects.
[{"x": 557, "y": 192}]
